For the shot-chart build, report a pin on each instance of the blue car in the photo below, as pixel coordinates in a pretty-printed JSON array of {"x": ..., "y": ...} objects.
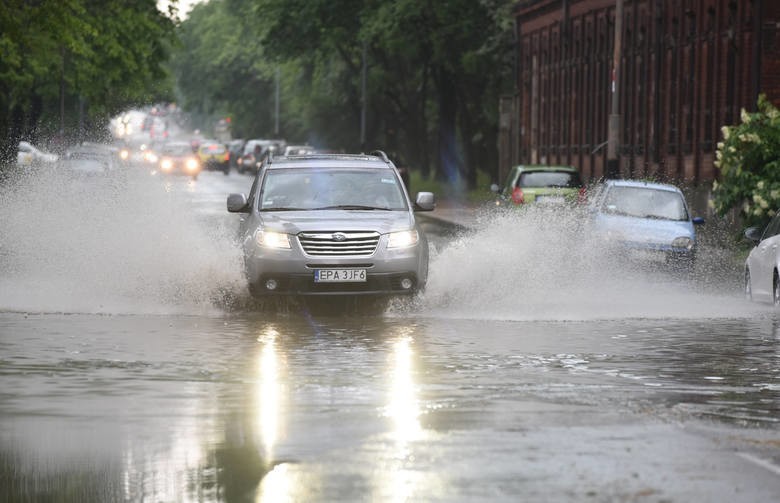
[{"x": 649, "y": 221}]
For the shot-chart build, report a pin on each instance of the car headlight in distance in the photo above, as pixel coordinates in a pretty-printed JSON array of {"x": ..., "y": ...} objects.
[
  {"x": 683, "y": 243},
  {"x": 191, "y": 164},
  {"x": 403, "y": 239},
  {"x": 270, "y": 239},
  {"x": 166, "y": 165}
]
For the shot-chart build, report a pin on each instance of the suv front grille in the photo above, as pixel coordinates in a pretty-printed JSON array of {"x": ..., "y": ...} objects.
[{"x": 335, "y": 244}]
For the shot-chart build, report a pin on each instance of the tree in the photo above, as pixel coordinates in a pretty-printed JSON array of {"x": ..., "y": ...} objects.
[
  {"x": 749, "y": 163},
  {"x": 70, "y": 62},
  {"x": 435, "y": 73}
]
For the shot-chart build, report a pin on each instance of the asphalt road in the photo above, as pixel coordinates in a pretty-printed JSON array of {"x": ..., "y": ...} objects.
[{"x": 135, "y": 367}]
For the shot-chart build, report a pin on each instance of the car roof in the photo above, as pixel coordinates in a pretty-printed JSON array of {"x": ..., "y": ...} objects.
[
  {"x": 643, "y": 183},
  {"x": 328, "y": 160}
]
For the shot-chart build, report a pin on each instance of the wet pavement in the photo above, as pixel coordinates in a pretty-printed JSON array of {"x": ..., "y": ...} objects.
[{"x": 396, "y": 407}]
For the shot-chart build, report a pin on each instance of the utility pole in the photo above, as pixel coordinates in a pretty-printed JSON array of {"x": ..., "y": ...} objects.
[{"x": 613, "y": 133}]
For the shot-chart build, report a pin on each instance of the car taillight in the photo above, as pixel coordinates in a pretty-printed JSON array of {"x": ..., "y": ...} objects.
[{"x": 517, "y": 196}]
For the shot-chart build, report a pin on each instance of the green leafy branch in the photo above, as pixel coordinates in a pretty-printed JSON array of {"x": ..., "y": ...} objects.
[{"x": 749, "y": 163}]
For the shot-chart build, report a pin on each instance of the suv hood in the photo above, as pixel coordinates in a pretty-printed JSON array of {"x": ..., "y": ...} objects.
[{"x": 294, "y": 222}]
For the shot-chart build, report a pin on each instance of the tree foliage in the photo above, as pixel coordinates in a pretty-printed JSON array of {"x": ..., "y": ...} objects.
[
  {"x": 63, "y": 58},
  {"x": 749, "y": 163},
  {"x": 434, "y": 72}
]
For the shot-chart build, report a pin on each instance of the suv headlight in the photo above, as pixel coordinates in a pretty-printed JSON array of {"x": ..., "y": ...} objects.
[
  {"x": 403, "y": 239},
  {"x": 683, "y": 242},
  {"x": 270, "y": 239}
]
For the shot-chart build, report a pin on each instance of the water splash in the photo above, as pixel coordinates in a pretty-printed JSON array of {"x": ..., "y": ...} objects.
[
  {"x": 541, "y": 264},
  {"x": 117, "y": 243}
]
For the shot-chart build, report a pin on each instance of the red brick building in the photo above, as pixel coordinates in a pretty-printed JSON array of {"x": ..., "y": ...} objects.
[{"x": 687, "y": 68}]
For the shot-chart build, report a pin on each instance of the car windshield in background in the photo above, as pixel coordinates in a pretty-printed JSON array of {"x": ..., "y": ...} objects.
[
  {"x": 331, "y": 188},
  {"x": 645, "y": 203},
  {"x": 549, "y": 179},
  {"x": 177, "y": 149}
]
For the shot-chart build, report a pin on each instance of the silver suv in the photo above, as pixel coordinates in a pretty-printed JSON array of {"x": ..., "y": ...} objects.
[{"x": 331, "y": 224}]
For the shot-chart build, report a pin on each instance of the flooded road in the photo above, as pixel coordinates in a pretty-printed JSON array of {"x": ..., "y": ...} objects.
[{"x": 135, "y": 368}]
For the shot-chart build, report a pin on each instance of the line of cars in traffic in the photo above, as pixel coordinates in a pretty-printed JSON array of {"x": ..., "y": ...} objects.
[
  {"x": 169, "y": 156},
  {"x": 190, "y": 158}
]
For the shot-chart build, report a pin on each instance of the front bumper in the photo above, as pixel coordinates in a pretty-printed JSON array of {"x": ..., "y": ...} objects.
[
  {"x": 303, "y": 285},
  {"x": 655, "y": 253},
  {"x": 293, "y": 272}
]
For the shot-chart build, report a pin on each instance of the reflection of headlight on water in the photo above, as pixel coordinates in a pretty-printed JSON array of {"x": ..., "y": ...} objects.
[
  {"x": 403, "y": 407},
  {"x": 683, "y": 243},
  {"x": 268, "y": 398}
]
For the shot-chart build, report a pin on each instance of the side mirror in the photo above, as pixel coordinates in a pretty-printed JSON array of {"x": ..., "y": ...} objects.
[
  {"x": 236, "y": 203},
  {"x": 753, "y": 234},
  {"x": 425, "y": 201},
  {"x": 698, "y": 221}
]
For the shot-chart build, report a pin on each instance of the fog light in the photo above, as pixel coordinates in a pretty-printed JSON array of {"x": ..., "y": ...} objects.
[
  {"x": 271, "y": 284},
  {"x": 406, "y": 283}
]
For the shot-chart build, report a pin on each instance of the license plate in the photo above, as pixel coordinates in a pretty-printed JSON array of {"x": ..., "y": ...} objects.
[{"x": 339, "y": 275}]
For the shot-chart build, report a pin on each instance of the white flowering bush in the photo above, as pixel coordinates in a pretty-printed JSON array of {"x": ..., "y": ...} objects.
[{"x": 749, "y": 163}]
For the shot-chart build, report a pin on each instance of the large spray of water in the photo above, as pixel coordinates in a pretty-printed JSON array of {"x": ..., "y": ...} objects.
[
  {"x": 127, "y": 243},
  {"x": 543, "y": 264},
  {"x": 115, "y": 243}
]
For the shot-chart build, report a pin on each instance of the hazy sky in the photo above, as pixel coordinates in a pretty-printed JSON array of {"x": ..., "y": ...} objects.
[{"x": 184, "y": 6}]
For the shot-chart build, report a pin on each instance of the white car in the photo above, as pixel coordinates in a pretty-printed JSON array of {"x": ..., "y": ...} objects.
[
  {"x": 762, "y": 264},
  {"x": 29, "y": 155}
]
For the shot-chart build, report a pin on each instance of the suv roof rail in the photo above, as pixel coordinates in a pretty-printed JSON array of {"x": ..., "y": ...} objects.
[{"x": 380, "y": 153}]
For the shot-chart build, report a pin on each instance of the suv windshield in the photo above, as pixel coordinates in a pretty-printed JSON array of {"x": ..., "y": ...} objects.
[
  {"x": 331, "y": 188},
  {"x": 549, "y": 179},
  {"x": 645, "y": 203}
]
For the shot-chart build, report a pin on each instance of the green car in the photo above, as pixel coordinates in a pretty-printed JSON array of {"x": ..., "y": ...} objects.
[{"x": 536, "y": 183}]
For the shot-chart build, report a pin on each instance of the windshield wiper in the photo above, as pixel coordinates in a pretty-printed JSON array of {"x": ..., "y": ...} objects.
[
  {"x": 282, "y": 208},
  {"x": 351, "y": 207}
]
